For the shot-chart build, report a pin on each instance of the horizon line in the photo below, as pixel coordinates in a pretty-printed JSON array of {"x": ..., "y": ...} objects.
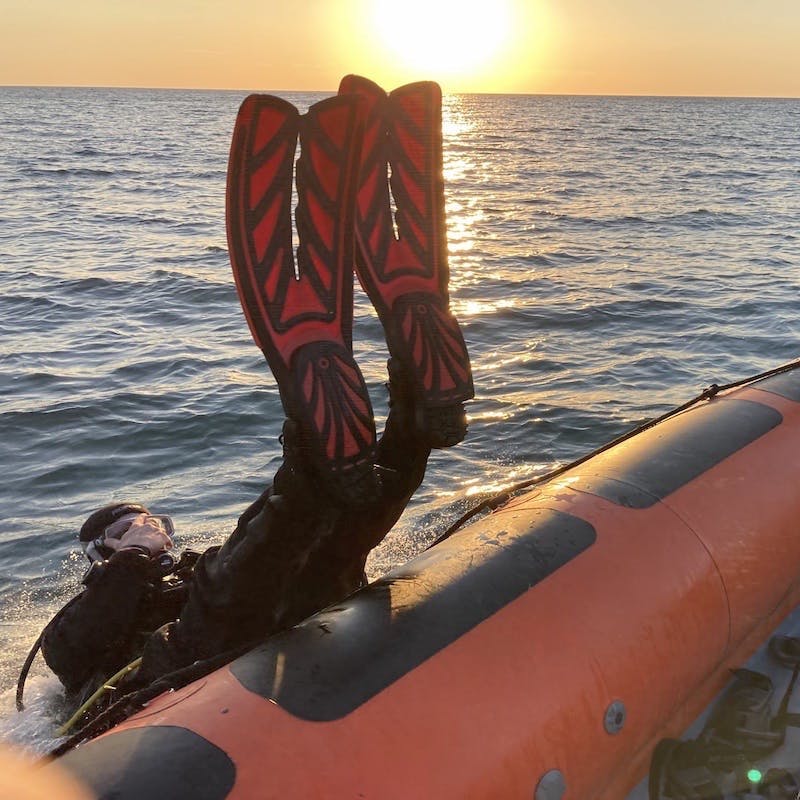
[{"x": 643, "y": 95}]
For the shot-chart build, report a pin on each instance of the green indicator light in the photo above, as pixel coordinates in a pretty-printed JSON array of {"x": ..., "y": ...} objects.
[{"x": 753, "y": 775}]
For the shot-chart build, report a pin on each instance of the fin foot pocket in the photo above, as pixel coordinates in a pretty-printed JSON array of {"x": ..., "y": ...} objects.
[{"x": 330, "y": 403}]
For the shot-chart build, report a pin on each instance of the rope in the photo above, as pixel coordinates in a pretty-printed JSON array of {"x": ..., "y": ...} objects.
[
  {"x": 129, "y": 704},
  {"x": 26, "y": 667},
  {"x": 108, "y": 686},
  {"x": 494, "y": 502}
]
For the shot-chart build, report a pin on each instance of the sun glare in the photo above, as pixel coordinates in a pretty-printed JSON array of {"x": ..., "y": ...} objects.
[{"x": 457, "y": 38}]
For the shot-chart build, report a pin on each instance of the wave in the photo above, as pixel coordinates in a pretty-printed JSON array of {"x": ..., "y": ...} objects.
[
  {"x": 613, "y": 257},
  {"x": 77, "y": 172}
]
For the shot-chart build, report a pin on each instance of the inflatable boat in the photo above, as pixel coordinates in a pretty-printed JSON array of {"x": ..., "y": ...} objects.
[{"x": 541, "y": 651}]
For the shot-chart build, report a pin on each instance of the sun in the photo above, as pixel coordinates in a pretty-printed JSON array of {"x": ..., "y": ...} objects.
[{"x": 449, "y": 38}]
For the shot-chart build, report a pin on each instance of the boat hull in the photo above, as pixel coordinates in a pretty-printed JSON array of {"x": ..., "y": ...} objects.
[{"x": 542, "y": 651}]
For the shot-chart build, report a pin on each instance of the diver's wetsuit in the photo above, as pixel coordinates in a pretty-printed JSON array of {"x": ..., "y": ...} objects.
[
  {"x": 294, "y": 551},
  {"x": 105, "y": 627}
]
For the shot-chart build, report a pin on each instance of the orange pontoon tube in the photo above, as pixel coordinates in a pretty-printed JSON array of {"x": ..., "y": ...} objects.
[{"x": 542, "y": 651}]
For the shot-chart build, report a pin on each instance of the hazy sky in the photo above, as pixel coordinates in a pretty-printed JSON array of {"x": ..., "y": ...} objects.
[{"x": 694, "y": 47}]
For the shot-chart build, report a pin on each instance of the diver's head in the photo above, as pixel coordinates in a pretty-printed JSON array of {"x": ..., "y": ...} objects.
[{"x": 112, "y": 522}]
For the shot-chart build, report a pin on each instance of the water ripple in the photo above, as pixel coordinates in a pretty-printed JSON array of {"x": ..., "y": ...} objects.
[{"x": 610, "y": 257}]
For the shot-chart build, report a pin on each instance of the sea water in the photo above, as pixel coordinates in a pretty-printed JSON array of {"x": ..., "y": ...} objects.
[{"x": 610, "y": 257}]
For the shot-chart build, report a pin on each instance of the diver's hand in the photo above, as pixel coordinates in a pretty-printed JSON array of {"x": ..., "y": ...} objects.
[{"x": 146, "y": 533}]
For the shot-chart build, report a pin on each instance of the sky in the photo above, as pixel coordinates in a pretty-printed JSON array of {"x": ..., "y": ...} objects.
[{"x": 650, "y": 47}]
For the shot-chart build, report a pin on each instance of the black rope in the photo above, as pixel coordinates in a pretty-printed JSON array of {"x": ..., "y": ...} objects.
[
  {"x": 494, "y": 502},
  {"x": 129, "y": 704},
  {"x": 26, "y": 667}
]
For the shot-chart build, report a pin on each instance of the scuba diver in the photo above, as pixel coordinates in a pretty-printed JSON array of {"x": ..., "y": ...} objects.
[{"x": 303, "y": 544}]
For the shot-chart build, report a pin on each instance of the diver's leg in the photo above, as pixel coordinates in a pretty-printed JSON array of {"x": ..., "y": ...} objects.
[
  {"x": 239, "y": 591},
  {"x": 335, "y": 567},
  {"x": 406, "y": 274},
  {"x": 297, "y": 549}
]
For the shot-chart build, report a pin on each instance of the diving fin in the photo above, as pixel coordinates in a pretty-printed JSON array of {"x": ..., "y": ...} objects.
[
  {"x": 406, "y": 275},
  {"x": 301, "y": 315}
]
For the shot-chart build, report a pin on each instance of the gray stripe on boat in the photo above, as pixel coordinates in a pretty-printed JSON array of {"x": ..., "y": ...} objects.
[{"x": 334, "y": 662}]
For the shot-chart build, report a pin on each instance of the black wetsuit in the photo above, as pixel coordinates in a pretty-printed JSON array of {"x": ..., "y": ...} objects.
[
  {"x": 106, "y": 626},
  {"x": 294, "y": 551}
]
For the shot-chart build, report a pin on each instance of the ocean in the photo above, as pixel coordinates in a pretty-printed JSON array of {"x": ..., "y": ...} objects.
[{"x": 610, "y": 258}]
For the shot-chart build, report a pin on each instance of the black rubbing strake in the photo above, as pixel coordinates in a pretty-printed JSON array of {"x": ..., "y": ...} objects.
[
  {"x": 787, "y": 385},
  {"x": 663, "y": 459},
  {"x": 164, "y": 762},
  {"x": 342, "y": 657}
]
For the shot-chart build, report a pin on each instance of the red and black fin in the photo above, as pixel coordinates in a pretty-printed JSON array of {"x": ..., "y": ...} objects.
[
  {"x": 406, "y": 274},
  {"x": 301, "y": 316}
]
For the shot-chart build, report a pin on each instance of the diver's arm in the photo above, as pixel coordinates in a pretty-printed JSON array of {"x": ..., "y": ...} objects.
[{"x": 102, "y": 619}]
